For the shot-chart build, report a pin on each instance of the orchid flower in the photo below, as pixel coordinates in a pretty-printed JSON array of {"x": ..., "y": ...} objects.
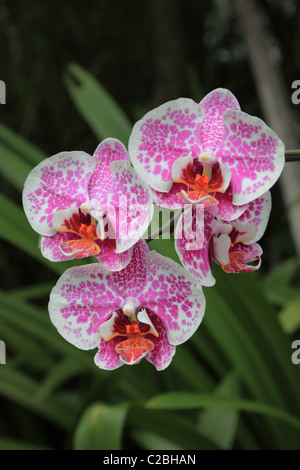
[
  {"x": 142, "y": 311},
  {"x": 86, "y": 205},
  {"x": 233, "y": 245},
  {"x": 210, "y": 153}
]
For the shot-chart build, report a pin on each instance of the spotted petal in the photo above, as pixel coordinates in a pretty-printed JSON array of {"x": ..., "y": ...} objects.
[
  {"x": 225, "y": 209},
  {"x": 163, "y": 352},
  {"x": 107, "y": 152},
  {"x": 163, "y": 135},
  {"x": 195, "y": 257},
  {"x": 215, "y": 104},
  {"x": 56, "y": 184},
  {"x": 106, "y": 357},
  {"x": 174, "y": 296},
  {"x": 83, "y": 298},
  {"x": 253, "y": 152},
  {"x": 132, "y": 201},
  {"x": 257, "y": 212}
]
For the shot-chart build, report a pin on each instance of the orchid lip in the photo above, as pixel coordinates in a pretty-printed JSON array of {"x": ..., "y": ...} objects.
[
  {"x": 84, "y": 226},
  {"x": 203, "y": 177},
  {"x": 134, "y": 346}
]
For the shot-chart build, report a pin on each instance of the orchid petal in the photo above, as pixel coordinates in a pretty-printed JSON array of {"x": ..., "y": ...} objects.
[
  {"x": 257, "y": 212},
  {"x": 196, "y": 261},
  {"x": 241, "y": 256},
  {"x": 50, "y": 246},
  {"x": 130, "y": 282},
  {"x": 174, "y": 297},
  {"x": 163, "y": 352},
  {"x": 179, "y": 165},
  {"x": 143, "y": 317},
  {"x": 107, "y": 152},
  {"x": 206, "y": 200},
  {"x": 221, "y": 247},
  {"x": 83, "y": 298},
  {"x": 226, "y": 175},
  {"x": 253, "y": 152},
  {"x": 226, "y": 210},
  {"x": 215, "y": 104},
  {"x": 106, "y": 329},
  {"x": 169, "y": 200},
  {"x": 133, "y": 201},
  {"x": 56, "y": 184},
  {"x": 163, "y": 135},
  {"x": 246, "y": 232},
  {"x": 110, "y": 259},
  {"x": 106, "y": 357}
]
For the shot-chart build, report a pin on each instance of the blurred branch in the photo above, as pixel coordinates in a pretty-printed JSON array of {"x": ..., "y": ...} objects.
[
  {"x": 292, "y": 155},
  {"x": 275, "y": 103}
]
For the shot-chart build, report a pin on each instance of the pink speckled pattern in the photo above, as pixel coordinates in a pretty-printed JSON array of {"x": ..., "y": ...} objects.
[
  {"x": 133, "y": 202},
  {"x": 179, "y": 128},
  {"x": 252, "y": 222},
  {"x": 163, "y": 135},
  {"x": 253, "y": 152},
  {"x": 104, "y": 184},
  {"x": 169, "y": 200},
  {"x": 196, "y": 261},
  {"x": 55, "y": 184},
  {"x": 106, "y": 357},
  {"x": 107, "y": 152},
  {"x": 257, "y": 212},
  {"x": 212, "y": 128},
  {"x": 226, "y": 210},
  {"x": 87, "y": 296},
  {"x": 163, "y": 352},
  {"x": 174, "y": 296}
]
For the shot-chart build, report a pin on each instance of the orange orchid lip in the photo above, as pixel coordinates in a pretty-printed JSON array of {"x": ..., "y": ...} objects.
[
  {"x": 201, "y": 186},
  {"x": 84, "y": 226},
  {"x": 132, "y": 349},
  {"x": 229, "y": 248}
]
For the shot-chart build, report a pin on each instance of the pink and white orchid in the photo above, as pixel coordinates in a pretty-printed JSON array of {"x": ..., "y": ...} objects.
[
  {"x": 142, "y": 311},
  {"x": 233, "y": 245},
  {"x": 210, "y": 153},
  {"x": 86, "y": 205}
]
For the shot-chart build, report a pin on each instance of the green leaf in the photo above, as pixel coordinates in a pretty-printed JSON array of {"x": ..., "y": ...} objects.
[
  {"x": 191, "y": 370},
  {"x": 189, "y": 401},
  {"x": 174, "y": 428},
  {"x": 277, "y": 283},
  {"x": 15, "y": 444},
  {"x": 96, "y": 105},
  {"x": 259, "y": 324},
  {"x": 101, "y": 427},
  {"x": 20, "y": 146},
  {"x": 13, "y": 167},
  {"x": 289, "y": 316},
  {"x": 57, "y": 376},
  {"x": 282, "y": 274},
  {"x": 281, "y": 295},
  {"x": 35, "y": 322},
  {"x": 165, "y": 247},
  {"x": 20, "y": 388},
  {"x": 220, "y": 425},
  {"x": 150, "y": 441},
  {"x": 34, "y": 291}
]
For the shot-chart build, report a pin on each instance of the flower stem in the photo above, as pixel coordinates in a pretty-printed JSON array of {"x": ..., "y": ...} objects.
[{"x": 292, "y": 155}]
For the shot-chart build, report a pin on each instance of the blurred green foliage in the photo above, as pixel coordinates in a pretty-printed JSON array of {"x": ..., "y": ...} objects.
[{"x": 76, "y": 74}]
